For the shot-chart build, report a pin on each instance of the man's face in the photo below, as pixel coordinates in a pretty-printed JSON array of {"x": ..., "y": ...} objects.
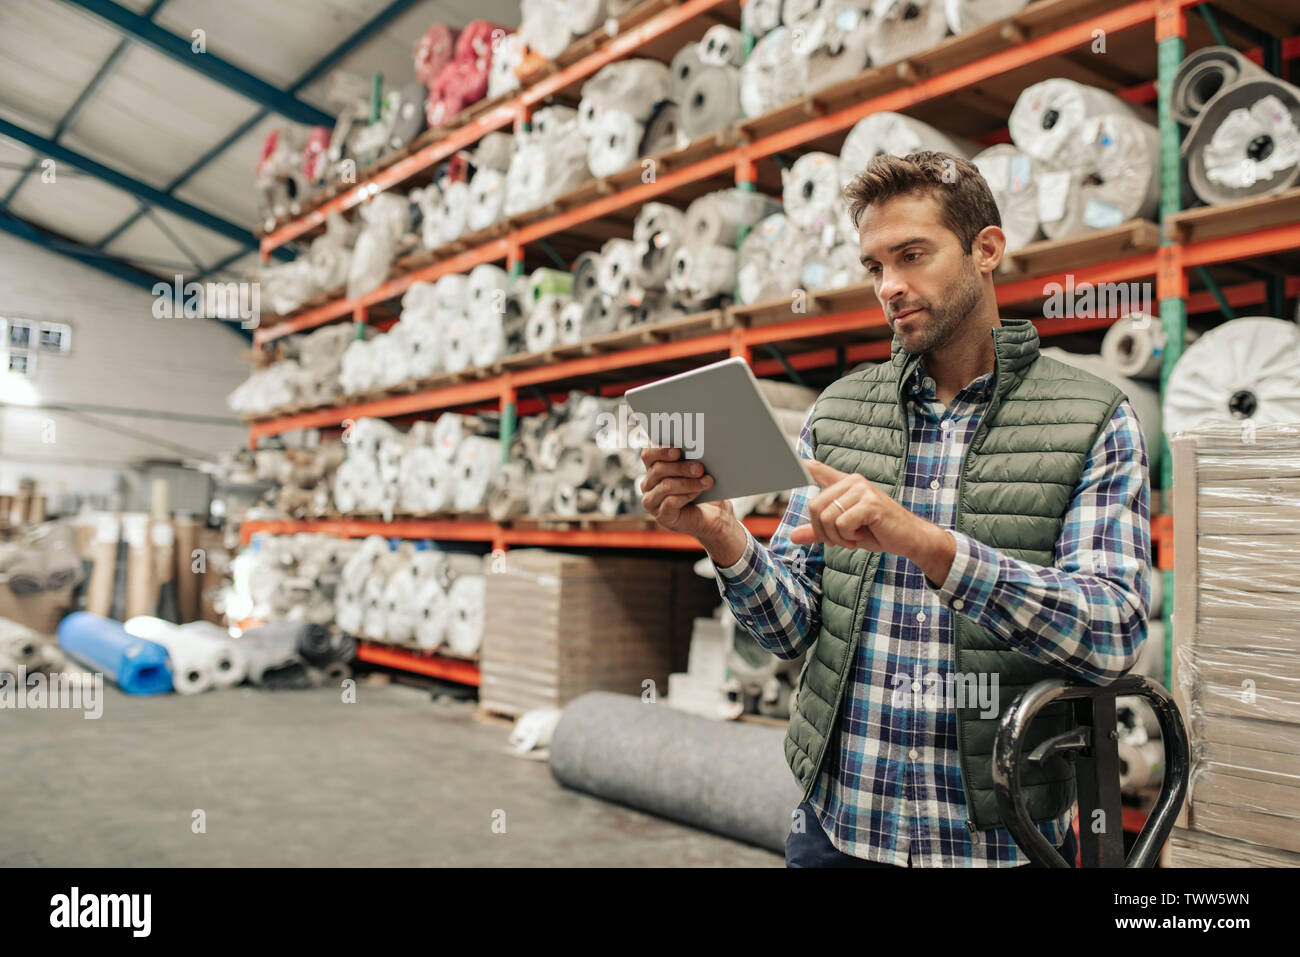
[{"x": 926, "y": 283}]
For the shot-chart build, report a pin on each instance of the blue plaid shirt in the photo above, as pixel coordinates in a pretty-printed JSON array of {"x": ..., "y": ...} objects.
[{"x": 890, "y": 789}]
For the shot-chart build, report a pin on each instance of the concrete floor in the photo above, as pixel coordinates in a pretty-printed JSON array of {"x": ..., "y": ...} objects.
[{"x": 297, "y": 778}]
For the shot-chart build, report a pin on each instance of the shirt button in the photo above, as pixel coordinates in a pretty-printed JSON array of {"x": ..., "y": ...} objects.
[
  {"x": 934, "y": 483},
  {"x": 957, "y": 603},
  {"x": 945, "y": 425},
  {"x": 916, "y": 686},
  {"x": 920, "y": 616},
  {"x": 912, "y": 754}
]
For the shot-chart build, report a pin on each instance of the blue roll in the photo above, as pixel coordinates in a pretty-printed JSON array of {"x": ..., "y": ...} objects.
[{"x": 135, "y": 665}]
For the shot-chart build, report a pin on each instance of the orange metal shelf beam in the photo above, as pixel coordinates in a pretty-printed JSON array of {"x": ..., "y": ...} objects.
[
  {"x": 1261, "y": 242},
  {"x": 499, "y": 117},
  {"x": 460, "y": 530},
  {"x": 1061, "y": 41},
  {"x": 449, "y": 669}
]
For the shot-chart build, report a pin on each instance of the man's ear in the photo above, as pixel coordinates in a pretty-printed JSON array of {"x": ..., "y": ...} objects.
[{"x": 988, "y": 249}]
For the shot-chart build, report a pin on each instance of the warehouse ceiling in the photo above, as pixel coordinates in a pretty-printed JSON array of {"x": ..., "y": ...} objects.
[{"x": 153, "y": 145}]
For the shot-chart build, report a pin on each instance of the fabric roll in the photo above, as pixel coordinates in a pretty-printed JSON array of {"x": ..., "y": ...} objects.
[
  {"x": 661, "y": 130},
  {"x": 770, "y": 261},
  {"x": 715, "y": 219},
  {"x": 618, "y": 267},
  {"x": 653, "y": 260},
  {"x": 965, "y": 15},
  {"x": 582, "y": 16},
  {"x": 135, "y": 665},
  {"x": 774, "y": 72},
  {"x": 272, "y": 655},
  {"x": 486, "y": 289},
  {"x": 586, "y": 277},
  {"x": 193, "y": 660},
  {"x": 425, "y": 482},
  {"x": 570, "y": 322},
  {"x": 490, "y": 340},
  {"x": 684, "y": 66},
  {"x": 548, "y": 282},
  {"x": 710, "y": 101},
  {"x": 615, "y": 142},
  {"x": 1246, "y": 142},
  {"x": 1134, "y": 346},
  {"x": 632, "y": 86},
  {"x": 1047, "y": 116},
  {"x": 453, "y": 212},
  {"x": 722, "y": 46},
  {"x": 893, "y": 134},
  {"x": 450, "y": 430},
  {"x": 543, "y": 28},
  {"x": 837, "y": 37},
  {"x": 732, "y": 780},
  {"x": 400, "y": 610},
  {"x": 1203, "y": 75},
  {"x": 811, "y": 189},
  {"x": 457, "y": 336},
  {"x": 901, "y": 28},
  {"x": 541, "y": 328},
  {"x": 230, "y": 667},
  {"x": 486, "y": 199},
  {"x": 432, "y": 613},
  {"x": 433, "y": 51},
  {"x": 658, "y": 218},
  {"x": 465, "y": 614},
  {"x": 477, "y": 460},
  {"x": 572, "y": 500},
  {"x": 703, "y": 272},
  {"x": 508, "y": 494},
  {"x": 760, "y": 17},
  {"x": 1244, "y": 369},
  {"x": 506, "y": 59},
  {"x": 1009, "y": 173},
  {"x": 599, "y": 316}
]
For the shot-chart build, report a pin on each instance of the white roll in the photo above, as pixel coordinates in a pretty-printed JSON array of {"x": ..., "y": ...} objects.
[
  {"x": 632, "y": 86},
  {"x": 770, "y": 262},
  {"x": 1009, "y": 174},
  {"x": 490, "y": 340},
  {"x": 618, "y": 267},
  {"x": 654, "y": 259},
  {"x": 964, "y": 15},
  {"x": 715, "y": 219},
  {"x": 582, "y": 16},
  {"x": 774, "y": 72},
  {"x": 477, "y": 460},
  {"x": 1047, "y": 116},
  {"x": 193, "y": 658},
  {"x": 457, "y": 336},
  {"x": 710, "y": 101},
  {"x": 1134, "y": 346},
  {"x": 901, "y": 28},
  {"x": 230, "y": 664},
  {"x": 615, "y": 142},
  {"x": 487, "y": 197},
  {"x": 431, "y": 614},
  {"x": 1246, "y": 368},
  {"x": 703, "y": 272},
  {"x": 837, "y": 38},
  {"x": 600, "y": 315},
  {"x": 893, "y": 134},
  {"x": 658, "y": 218},
  {"x": 722, "y": 45},
  {"x": 1246, "y": 142},
  {"x": 506, "y": 58},
  {"x": 570, "y": 322},
  {"x": 465, "y": 614},
  {"x": 426, "y": 483},
  {"x": 684, "y": 66},
  {"x": 760, "y": 17},
  {"x": 811, "y": 189},
  {"x": 541, "y": 328},
  {"x": 401, "y": 612},
  {"x": 542, "y": 27}
]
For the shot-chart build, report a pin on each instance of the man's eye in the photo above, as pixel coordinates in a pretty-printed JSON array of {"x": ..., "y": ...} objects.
[
  {"x": 912, "y": 257},
  {"x": 873, "y": 270}
]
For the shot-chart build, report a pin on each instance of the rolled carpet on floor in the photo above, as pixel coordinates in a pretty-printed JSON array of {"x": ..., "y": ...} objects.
[
  {"x": 725, "y": 777},
  {"x": 135, "y": 665},
  {"x": 295, "y": 654}
]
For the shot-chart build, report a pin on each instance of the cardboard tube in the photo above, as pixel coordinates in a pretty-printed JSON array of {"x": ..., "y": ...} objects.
[
  {"x": 187, "y": 583},
  {"x": 99, "y": 593},
  {"x": 141, "y": 592}
]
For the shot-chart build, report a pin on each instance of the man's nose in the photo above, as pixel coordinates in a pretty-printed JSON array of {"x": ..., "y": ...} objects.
[{"x": 891, "y": 287}]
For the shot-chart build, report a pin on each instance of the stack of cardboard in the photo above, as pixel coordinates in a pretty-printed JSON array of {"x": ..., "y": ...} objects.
[
  {"x": 559, "y": 625},
  {"x": 1236, "y": 620}
]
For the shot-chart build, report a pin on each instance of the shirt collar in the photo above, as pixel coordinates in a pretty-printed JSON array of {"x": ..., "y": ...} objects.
[{"x": 920, "y": 384}]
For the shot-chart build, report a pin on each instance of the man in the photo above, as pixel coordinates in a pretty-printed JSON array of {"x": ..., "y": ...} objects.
[{"x": 980, "y": 521}]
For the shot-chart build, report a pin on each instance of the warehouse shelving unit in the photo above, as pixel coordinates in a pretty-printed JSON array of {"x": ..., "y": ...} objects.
[{"x": 977, "y": 73}]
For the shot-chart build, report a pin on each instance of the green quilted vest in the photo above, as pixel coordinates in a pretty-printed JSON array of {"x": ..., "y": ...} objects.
[{"x": 1023, "y": 462}]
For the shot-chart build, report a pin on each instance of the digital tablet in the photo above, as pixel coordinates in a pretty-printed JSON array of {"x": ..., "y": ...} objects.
[{"x": 717, "y": 414}]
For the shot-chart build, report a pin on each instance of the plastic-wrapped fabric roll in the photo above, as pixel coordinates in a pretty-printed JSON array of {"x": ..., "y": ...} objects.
[
  {"x": 1203, "y": 75},
  {"x": 508, "y": 494},
  {"x": 658, "y": 218},
  {"x": 490, "y": 340},
  {"x": 465, "y": 614},
  {"x": 451, "y": 293},
  {"x": 579, "y": 464},
  {"x": 1144, "y": 399},
  {"x": 425, "y": 482},
  {"x": 795, "y": 11},
  {"x": 572, "y": 500},
  {"x": 811, "y": 188},
  {"x": 402, "y": 613},
  {"x": 1009, "y": 173},
  {"x": 654, "y": 259},
  {"x": 543, "y": 28},
  {"x": 618, "y": 267},
  {"x": 487, "y": 198},
  {"x": 570, "y": 322},
  {"x": 901, "y": 28},
  {"x": 555, "y": 122},
  {"x": 632, "y": 86},
  {"x": 600, "y": 315},
  {"x": 732, "y": 780},
  {"x": 545, "y": 282},
  {"x": 582, "y": 16},
  {"x": 135, "y": 665},
  {"x": 1134, "y": 346},
  {"x": 434, "y": 50},
  {"x": 832, "y": 268},
  {"x": 505, "y": 60},
  {"x": 477, "y": 460},
  {"x": 964, "y": 15},
  {"x": 456, "y": 333},
  {"x": 431, "y": 611},
  {"x": 615, "y": 142},
  {"x": 1246, "y": 368},
  {"x": 722, "y": 45},
  {"x": 272, "y": 655},
  {"x": 685, "y": 63},
  {"x": 770, "y": 262},
  {"x": 615, "y": 499},
  {"x": 486, "y": 290},
  {"x": 424, "y": 349},
  {"x": 893, "y": 134},
  {"x": 541, "y": 328},
  {"x": 710, "y": 101},
  {"x": 1045, "y": 120},
  {"x": 838, "y": 36},
  {"x": 760, "y": 17},
  {"x": 1246, "y": 142},
  {"x": 453, "y": 212},
  {"x": 451, "y": 429},
  {"x": 703, "y": 272},
  {"x": 714, "y": 219},
  {"x": 193, "y": 660},
  {"x": 586, "y": 277},
  {"x": 229, "y": 664},
  {"x": 389, "y": 353},
  {"x": 661, "y": 129},
  {"x": 773, "y": 73}
]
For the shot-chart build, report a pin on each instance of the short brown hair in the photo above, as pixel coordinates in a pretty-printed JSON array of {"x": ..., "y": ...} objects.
[{"x": 965, "y": 200}]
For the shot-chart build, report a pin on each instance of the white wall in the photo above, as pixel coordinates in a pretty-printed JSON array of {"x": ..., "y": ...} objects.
[{"x": 121, "y": 356}]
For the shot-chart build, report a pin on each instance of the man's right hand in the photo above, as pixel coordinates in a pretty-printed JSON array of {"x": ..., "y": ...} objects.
[{"x": 666, "y": 492}]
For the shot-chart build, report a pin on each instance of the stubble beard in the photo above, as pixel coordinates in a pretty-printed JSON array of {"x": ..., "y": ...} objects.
[{"x": 958, "y": 301}]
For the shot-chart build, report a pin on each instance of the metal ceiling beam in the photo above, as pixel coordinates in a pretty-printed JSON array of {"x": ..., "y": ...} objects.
[
  {"x": 210, "y": 65},
  {"x": 129, "y": 184},
  {"x": 63, "y": 246},
  {"x": 327, "y": 62}
]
